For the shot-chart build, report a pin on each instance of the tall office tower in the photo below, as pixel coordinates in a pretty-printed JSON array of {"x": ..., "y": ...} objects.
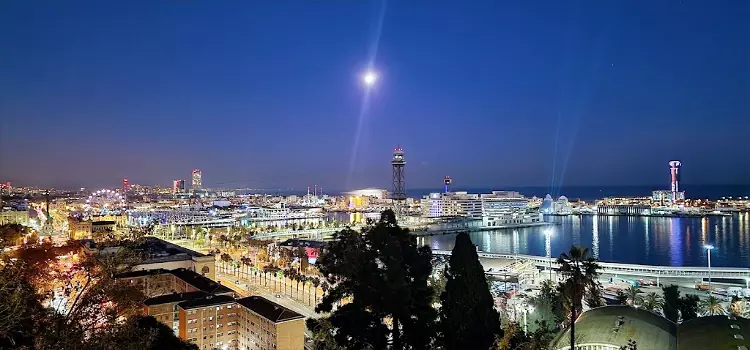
[
  {"x": 125, "y": 189},
  {"x": 399, "y": 184},
  {"x": 178, "y": 186},
  {"x": 197, "y": 179},
  {"x": 447, "y": 181},
  {"x": 674, "y": 169}
]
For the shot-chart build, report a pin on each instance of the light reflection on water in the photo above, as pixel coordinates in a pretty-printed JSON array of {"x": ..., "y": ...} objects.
[{"x": 652, "y": 241}]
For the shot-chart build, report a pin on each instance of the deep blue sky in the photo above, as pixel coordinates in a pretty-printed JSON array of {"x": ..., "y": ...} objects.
[{"x": 267, "y": 93}]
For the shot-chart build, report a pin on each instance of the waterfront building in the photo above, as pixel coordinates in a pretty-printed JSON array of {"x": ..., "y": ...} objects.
[
  {"x": 664, "y": 197},
  {"x": 496, "y": 209},
  {"x": 503, "y": 208},
  {"x": 452, "y": 204},
  {"x": 369, "y": 192},
  {"x": 561, "y": 206},
  {"x": 624, "y": 209}
]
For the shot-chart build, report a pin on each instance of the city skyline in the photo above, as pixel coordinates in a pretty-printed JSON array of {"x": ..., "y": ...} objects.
[{"x": 492, "y": 94}]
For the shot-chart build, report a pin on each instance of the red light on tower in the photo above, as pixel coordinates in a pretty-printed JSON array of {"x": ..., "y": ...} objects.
[{"x": 125, "y": 185}]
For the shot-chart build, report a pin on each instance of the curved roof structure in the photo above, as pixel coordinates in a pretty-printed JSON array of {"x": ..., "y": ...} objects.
[
  {"x": 714, "y": 332},
  {"x": 611, "y": 327}
]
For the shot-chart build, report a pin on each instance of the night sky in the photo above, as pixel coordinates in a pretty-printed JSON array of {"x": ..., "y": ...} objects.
[{"x": 268, "y": 93}]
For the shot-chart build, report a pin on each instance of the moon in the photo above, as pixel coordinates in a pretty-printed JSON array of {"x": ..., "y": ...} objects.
[{"x": 369, "y": 78}]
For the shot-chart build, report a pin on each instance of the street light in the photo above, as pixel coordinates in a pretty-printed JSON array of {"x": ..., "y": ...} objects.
[
  {"x": 709, "y": 248},
  {"x": 548, "y": 234}
]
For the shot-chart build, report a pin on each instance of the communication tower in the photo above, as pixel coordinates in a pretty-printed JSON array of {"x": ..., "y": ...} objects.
[
  {"x": 447, "y": 181},
  {"x": 674, "y": 169},
  {"x": 399, "y": 184}
]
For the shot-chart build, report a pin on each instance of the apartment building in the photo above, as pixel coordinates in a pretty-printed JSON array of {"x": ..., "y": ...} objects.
[
  {"x": 265, "y": 325},
  {"x": 210, "y": 322}
]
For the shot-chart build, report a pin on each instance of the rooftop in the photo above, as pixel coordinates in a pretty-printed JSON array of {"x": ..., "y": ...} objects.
[
  {"x": 206, "y": 301},
  {"x": 713, "y": 332},
  {"x": 616, "y": 325},
  {"x": 174, "y": 297},
  {"x": 200, "y": 282},
  {"x": 294, "y": 242},
  {"x": 268, "y": 309}
]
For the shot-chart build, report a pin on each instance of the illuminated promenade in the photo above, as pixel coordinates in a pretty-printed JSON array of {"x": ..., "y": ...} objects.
[{"x": 629, "y": 269}]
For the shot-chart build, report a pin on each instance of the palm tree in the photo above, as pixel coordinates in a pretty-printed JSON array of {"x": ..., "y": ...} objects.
[
  {"x": 711, "y": 306},
  {"x": 303, "y": 279},
  {"x": 580, "y": 271},
  {"x": 634, "y": 295},
  {"x": 653, "y": 302},
  {"x": 225, "y": 258},
  {"x": 315, "y": 283},
  {"x": 622, "y": 298}
]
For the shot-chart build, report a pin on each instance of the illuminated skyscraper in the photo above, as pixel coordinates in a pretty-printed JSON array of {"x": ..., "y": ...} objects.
[
  {"x": 197, "y": 179},
  {"x": 178, "y": 186},
  {"x": 447, "y": 181},
  {"x": 674, "y": 169}
]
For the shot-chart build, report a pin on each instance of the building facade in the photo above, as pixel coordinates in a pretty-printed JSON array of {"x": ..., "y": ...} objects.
[{"x": 20, "y": 217}]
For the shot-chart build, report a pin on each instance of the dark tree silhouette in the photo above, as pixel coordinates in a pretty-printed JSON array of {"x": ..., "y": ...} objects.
[
  {"x": 581, "y": 272},
  {"x": 671, "y": 307},
  {"x": 468, "y": 319},
  {"x": 379, "y": 277},
  {"x": 689, "y": 307}
]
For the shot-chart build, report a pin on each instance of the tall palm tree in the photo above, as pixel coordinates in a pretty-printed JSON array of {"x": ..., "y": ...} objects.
[
  {"x": 634, "y": 295},
  {"x": 315, "y": 283},
  {"x": 302, "y": 279},
  {"x": 711, "y": 306},
  {"x": 653, "y": 302},
  {"x": 580, "y": 271}
]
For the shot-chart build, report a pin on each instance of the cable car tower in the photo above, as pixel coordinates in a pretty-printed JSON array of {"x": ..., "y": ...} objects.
[{"x": 398, "y": 194}]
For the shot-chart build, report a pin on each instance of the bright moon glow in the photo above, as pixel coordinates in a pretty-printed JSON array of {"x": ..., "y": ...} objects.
[{"x": 370, "y": 78}]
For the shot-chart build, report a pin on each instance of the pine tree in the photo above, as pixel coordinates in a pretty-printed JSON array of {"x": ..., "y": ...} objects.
[
  {"x": 380, "y": 277},
  {"x": 468, "y": 319}
]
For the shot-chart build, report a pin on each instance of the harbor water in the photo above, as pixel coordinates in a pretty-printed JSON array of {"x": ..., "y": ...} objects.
[{"x": 669, "y": 241}]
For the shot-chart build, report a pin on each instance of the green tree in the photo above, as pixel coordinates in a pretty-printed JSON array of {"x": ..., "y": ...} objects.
[
  {"x": 689, "y": 307},
  {"x": 139, "y": 332},
  {"x": 653, "y": 302},
  {"x": 634, "y": 295},
  {"x": 580, "y": 271},
  {"x": 622, "y": 298},
  {"x": 381, "y": 274},
  {"x": 468, "y": 319},
  {"x": 437, "y": 282},
  {"x": 595, "y": 295},
  {"x": 11, "y": 234},
  {"x": 711, "y": 306},
  {"x": 671, "y": 307}
]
